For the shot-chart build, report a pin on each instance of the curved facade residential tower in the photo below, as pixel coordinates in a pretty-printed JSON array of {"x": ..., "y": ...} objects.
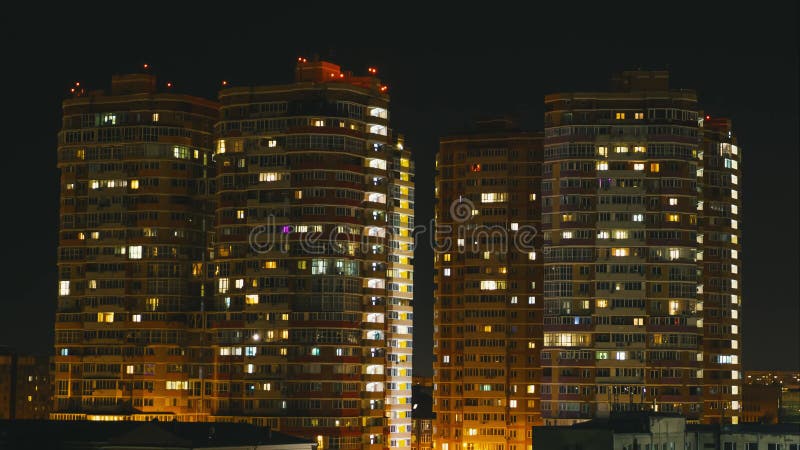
[
  {"x": 134, "y": 221},
  {"x": 311, "y": 318}
]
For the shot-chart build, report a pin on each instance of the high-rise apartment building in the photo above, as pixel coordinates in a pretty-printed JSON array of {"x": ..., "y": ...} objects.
[
  {"x": 134, "y": 218},
  {"x": 311, "y": 318},
  {"x": 720, "y": 221},
  {"x": 263, "y": 273},
  {"x": 488, "y": 308},
  {"x": 626, "y": 187}
]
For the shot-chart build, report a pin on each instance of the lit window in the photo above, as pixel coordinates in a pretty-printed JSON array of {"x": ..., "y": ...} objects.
[
  {"x": 512, "y": 403},
  {"x": 514, "y": 226},
  {"x": 674, "y": 253},
  {"x": 447, "y": 271},
  {"x": 446, "y": 257},
  {"x": 623, "y": 251},
  {"x": 251, "y": 299},
  {"x": 70, "y": 186},
  {"x": 136, "y": 318},
  {"x": 620, "y": 234},
  {"x": 105, "y": 317},
  {"x": 603, "y": 234},
  {"x": 638, "y": 166},
  {"x": 92, "y": 284},
  {"x": 602, "y": 165},
  {"x": 239, "y": 283},
  {"x": 514, "y": 300},
  {"x": 566, "y": 234},
  {"x": 639, "y": 149},
  {"x": 621, "y": 356},
  {"x": 655, "y": 167},
  {"x": 673, "y": 201},
  {"x": 620, "y": 149},
  {"x": 601, "y": 303},
  {"x": 620, "y": 115},
  {"x": 317, "y": 122},
  {"x": 531, "y": 388},
  {"x": 134, "y": 184},
  {"x": 475, "y": 168},
  {"x": 532, "y": 197},
  {"x": 240, "y": 214},
  {"x": 222, "y": 285},
  {"x": 155, "y": 117},
  {"x": 135, "y": 252},
  {"x": 221, "y": 146},
  {"x": 673, "y": 218},
  {"x": 63, "y": 288},
  {"x": 315, "y": 351},
  {"x": 734, "y": 193},
  {"x": 493, "y": 197},
  {"x": 491, "y": 285},
  {"x": 269, "y": 176},
  {"x": 80, "y": 154},
  {"x": 272, "y": 143},
  {"x": 638, "y": 115},
  {"x": 638, "y": 321},
  {"x": 532, "y": 300},
  {"x": 602, "y": 151},
  {"x": 734, "y": 209},
  {"x": 674, "y": 306},
  {"x": 270, "y": 264},
  {"x": 601, "y": 355},
  {"x": 180, "y": 152},
  {"x": 638, "y": 217},
  {"x": 532, "y": 256}
]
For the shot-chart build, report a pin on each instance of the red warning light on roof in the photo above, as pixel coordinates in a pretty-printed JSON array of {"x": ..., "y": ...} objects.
[
  {"x": 708, "y": 117},
  {"x": 384, "y": 88},
  {"x": 372, "y": 70},
  {"x": 224, "y": 83},
  {"x": 146, "y": 66},
  {"x": 169, "y": 84},
  {"x": 77, "y": 83}
]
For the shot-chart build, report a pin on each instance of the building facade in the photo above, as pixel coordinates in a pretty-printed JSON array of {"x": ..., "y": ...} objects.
[
  {"x": 134, "y": 218},
  {"x": 25, "y": 386},
  {"x": 488, "y": 289},
  {"x": 623, "y": 289},
  {"x": 719, "y": 208},
  {"x": 773, "y": 394},
  {"x": 310, "y": 325}
]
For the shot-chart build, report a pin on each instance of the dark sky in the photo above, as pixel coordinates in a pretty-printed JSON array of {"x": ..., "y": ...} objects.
[{"x": 443, "y": 68}]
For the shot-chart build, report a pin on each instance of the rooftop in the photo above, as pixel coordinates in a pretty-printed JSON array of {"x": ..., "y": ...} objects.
[{"x": 38, "y": 434}]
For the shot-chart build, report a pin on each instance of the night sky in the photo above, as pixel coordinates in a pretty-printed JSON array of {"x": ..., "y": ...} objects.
[{"x": 443, "y": 68}]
